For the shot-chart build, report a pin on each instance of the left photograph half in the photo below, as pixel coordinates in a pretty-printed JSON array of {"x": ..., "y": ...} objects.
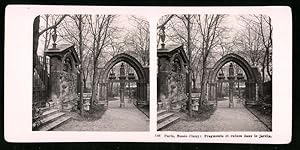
[{"x": 90, "y": 73}]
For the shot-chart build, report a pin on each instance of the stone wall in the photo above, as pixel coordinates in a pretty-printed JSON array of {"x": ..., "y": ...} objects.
[
  {"x": 63, "y": 77},
  {"x": 171, "y": 85},
  {"x": 177, "y": 95},
  {"x": 68, "y": 91}
]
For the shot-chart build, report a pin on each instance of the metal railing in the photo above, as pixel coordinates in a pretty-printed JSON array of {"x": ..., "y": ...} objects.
[{"x": 40, "y": 79}]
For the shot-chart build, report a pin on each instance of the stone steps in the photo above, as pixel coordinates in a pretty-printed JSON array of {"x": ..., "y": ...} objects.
[
  {"x": 49, "y": 112},
  {"x": 55, "y": 123},
  {"x": 161, "y": 112},
  {"x": 52, "y": 118},
  {"x": 167, "y": 122},
  {"x": 165, "y": 118}
]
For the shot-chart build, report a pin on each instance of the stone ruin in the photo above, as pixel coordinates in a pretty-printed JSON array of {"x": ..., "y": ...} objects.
[
  {"x": 64, "y": 63},
  {"x": 171, "y": 79}
]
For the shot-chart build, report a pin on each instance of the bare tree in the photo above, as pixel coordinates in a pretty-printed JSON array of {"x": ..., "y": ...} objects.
[
  {"x": 75, "y": 31},
  {"x": 200, "y": 34},
  {"x": 37, "y": 32},
  {"x": 261, "y": 25},
  {"x": 137, "y": 40},
  {"x": 46, "y": 36},
  {"x": 100, "y": 26},
  {"x": 249, "y": 45},
  {"x": 210, "y": 27}
]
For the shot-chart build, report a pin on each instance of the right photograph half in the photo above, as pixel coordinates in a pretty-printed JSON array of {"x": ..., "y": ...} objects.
[{"x": 214, "y": 72}]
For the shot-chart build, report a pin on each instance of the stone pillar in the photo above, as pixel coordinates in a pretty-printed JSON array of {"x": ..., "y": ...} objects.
[
  {"x": 122, "y": 89},
  {"x": 231, "y": 104},
  {"x": 55, "y": 75},
  {"x": 231, "y": 84},
  {"x": 163, "y": 92},
  {"x": 106, "y": 94},
  {"x": 256, "y": 92},
  {"x": 239, "y": 89},
  {"x": 251, "y": 93},
  {"x": 144, "y": 92},
  {"x": 129, "y": 90},
  {"x": 102, "y": 91},
  {"x": 216, "y": 91},
  {"x": 212, "y": 93},
  {"x": 122, "y": 85},
  {"x": 209, "y": 93},
  {"x": 137, "y": 92}
]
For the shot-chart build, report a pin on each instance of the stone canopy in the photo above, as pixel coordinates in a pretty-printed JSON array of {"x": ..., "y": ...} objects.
[
  {"x": 61, "y": 50},
  {"x": 171, "y": 50}
]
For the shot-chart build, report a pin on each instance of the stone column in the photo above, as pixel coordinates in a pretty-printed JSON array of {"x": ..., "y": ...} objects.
[
  {"x": 102, "y": 91},
  {"x": 163, "y": 92},
  {"x": 216, "y": 91},
  {"x": 213, "y": 92},
  {"x": 209, "y": 92},
  {"x": 55, "y": 74},
  {"x": 129, "y": 90},
  {"x": 231, "y": 104},
  {"x": 122, "y": 89},
  {"x": 251, "y": 92},
  {"x": 137, "y": 92},
  {"x": 122, "y": 85},
  {"x": 144, "y": 91},
  {"x": 256, "y": 92},
  {"x": 106, "y": 94}
]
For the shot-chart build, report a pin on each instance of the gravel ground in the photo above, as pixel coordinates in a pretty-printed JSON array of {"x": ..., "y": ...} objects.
[
  {"x": 223, "y": 119},
  {"x": 115, "y": 118}
]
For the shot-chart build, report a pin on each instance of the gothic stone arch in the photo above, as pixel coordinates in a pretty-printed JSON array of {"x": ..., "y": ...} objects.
[
  {"x": 253, "y": 78},
  {"x": 139, "y": 69}
]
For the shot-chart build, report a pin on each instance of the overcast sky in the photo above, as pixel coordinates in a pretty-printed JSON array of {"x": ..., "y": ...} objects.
[{"x": 122, "y": 21}]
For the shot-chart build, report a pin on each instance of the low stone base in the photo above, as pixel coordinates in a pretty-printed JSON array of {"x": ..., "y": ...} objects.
[
  {"x": 67, "y": 107},
  {"x": 159, "y": 106},
  {"x": 175, "y": 107},
  {"x": 122, "y": 105}
]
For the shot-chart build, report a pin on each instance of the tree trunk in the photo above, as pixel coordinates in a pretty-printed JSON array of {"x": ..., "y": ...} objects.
[
  {"x": 202, "y": 85},
  {"x": 94, "y": 83},
  {"x": 189, "y": 67},
  {"x": 81, "y": 64},
  {"x": 111, "y": 92},
  {"x": 268, "y": 63},
  {"x": 36, "y": 28},
  {"x": 194, "y": 83},
  {"x": 84, "y": 84}
]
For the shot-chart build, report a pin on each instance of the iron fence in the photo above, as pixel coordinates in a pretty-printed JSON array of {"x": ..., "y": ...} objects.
[{"x": 41, "y": 76}]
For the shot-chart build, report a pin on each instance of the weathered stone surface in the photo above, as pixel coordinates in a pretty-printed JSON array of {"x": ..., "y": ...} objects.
[
  {"x": 172, "y": 78},
  {"x": 64, "y": 78}
]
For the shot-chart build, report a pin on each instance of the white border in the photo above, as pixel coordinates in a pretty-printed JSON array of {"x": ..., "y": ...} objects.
[{"x": 18, "y": 75}]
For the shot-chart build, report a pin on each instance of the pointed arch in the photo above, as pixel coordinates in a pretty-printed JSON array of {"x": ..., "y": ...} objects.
[
  {"x": 251, "y": 76},
  {"x": 133, "y": 62}
]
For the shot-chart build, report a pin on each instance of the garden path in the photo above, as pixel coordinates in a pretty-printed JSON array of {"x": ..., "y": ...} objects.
[
  {"x": 115, "y": 118},
  {"x": 223, "y": 119}
]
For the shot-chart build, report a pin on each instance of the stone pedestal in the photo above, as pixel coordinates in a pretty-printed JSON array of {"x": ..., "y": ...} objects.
[
  {"x": 231, "y": 103},
  {"x": 122, "y": 89}
]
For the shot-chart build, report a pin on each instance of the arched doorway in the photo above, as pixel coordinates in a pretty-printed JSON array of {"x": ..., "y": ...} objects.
[
  {"x": 253, "y": 82},
  {"x": 141, "y": 81}
]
